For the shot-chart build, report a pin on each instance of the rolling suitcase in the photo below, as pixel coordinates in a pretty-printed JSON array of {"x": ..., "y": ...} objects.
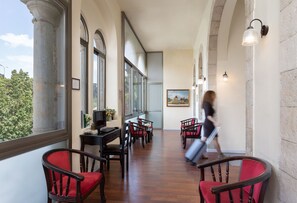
[{"x": 198, "y": 147}]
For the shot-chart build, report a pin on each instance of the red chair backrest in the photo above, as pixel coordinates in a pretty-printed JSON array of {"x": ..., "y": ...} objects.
[
  {"x": 251, "y": 169},
  {"x": 131, "y": 128},
  {"x": 193, "y": 121},
  {"x": 60, "y": 159}
]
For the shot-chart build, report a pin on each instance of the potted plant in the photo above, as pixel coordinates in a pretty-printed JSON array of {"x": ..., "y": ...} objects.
[{"x": 110, "y": 114}]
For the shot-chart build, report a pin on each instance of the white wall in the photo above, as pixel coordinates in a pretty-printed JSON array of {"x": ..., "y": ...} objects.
[
  {"x": 22, "y": 177},
  {"x": 267, "y": 91},
  {"x": 177, "y": 74},
  {"x": 104, "y": 16},
  {"x": 231, "y": 94},
  {"x": 201, "y": 46}
]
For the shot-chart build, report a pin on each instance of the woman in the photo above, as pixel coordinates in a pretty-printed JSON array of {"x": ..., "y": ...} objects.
[{"x": 210, "y": 123}]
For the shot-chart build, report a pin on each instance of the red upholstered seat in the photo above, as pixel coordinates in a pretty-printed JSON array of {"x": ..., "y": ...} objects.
[
  {"x": 137, "y": 131},
  {"x": 253, "y": 180},
  {"x": 210, "y": 198},
  {"x": 66, "y": 185},
  {"x": 191, "y": 131},
  {"x": 90, "y": 180},
  {"x": 250, "y": 169}
]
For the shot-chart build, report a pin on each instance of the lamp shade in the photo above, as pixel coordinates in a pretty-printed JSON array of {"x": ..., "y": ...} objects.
[
  {"x": 225, "y": 76},
  {"x": 250, "y": 37}
]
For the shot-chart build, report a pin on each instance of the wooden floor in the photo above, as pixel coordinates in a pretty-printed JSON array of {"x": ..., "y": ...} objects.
[{"x": 157, "y": 174}]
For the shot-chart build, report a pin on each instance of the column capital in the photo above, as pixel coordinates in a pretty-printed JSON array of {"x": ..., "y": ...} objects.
[{"x": 45, "y": 10}]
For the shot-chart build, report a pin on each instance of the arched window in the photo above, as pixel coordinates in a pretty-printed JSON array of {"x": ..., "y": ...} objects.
[
  {"x": 99, "y": 69},
  {"x": 83, "y": 68}
]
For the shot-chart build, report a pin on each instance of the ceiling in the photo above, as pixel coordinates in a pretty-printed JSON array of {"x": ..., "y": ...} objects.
[{"x": 164, "y": 24}]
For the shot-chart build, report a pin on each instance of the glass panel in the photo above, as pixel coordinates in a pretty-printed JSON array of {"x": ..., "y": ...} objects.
[
  {"x": 95, "y": 82},
  {"x": 101, "y": 83},
  {"x": 31, "y": 102},
  {"x": 83, "y": 30},
  {"x": 99, "y": 43},
  {"x": 128, "y": 92},
  {"x": 83, "y": 79},
  {"x": 144, "y": 97}
]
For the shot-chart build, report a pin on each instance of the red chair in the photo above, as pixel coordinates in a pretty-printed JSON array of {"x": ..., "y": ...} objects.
[
  {"x": 65, "y": 185},
  {"x": 149, "y": 127},
  {"x": 187, "y": 122},
  {"x": 191, "y": 131},
  {"x": 253, "y": 180},
  {"x": 137, "y": 131}
]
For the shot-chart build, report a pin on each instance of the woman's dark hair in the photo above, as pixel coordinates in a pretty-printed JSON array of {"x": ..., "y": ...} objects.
[{"x": 209, "y": 97}]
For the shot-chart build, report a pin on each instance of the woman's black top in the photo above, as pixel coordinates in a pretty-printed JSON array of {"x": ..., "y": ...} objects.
[{"x": 208, "y": 125}]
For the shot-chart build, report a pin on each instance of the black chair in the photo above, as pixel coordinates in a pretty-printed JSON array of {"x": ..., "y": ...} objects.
[
  {"x": 66, "y": 185},
  {"x": 118, "y": 151}
]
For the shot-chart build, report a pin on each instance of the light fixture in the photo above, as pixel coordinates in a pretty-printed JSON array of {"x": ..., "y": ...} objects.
[
  {"x": 201, "y": 80},
  {"x": 251, "y": 36},
  {"x": 225, "y": 76}
]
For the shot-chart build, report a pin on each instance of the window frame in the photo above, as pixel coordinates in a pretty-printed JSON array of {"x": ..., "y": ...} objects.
[
  {"x": 32, "y": 142},
  {"x": 85, "y": 44},
  {"x": 142, "y": 77},
  {"x": 103, "y": 55}
]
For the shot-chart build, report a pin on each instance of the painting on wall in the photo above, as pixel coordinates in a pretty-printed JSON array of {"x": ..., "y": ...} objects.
[{"x": 178, "y": 98}]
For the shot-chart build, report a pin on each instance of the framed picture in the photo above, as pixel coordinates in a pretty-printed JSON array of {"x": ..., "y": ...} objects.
[
  {"x": 75, "y": 84},
  {"x": 178, "y": 98}
]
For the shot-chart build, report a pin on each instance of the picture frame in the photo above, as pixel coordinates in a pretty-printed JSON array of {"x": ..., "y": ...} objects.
[
  {"x": 75, "y": 84},
  {"x": 178, "y": 98}
]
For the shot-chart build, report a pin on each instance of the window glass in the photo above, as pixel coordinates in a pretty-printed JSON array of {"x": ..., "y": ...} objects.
[
  {"x": 128, "y": 90},
  {"x": 32, "y": 95},
  {"x": 83, "y": 70},
  {"x": 99, "y": 72}
]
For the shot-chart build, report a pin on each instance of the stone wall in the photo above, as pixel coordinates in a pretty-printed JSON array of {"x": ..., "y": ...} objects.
[
  {"x": 249, "y": 13},
  {"x": 213, "y": 42},
  {"x": 288, "y": 101}
]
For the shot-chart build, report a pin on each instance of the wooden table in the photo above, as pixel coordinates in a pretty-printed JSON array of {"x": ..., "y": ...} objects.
[{"x": 99, "y": 139}]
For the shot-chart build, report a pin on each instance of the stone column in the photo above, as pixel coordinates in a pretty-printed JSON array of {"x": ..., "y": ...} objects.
[{"x": 46, "y": 17}]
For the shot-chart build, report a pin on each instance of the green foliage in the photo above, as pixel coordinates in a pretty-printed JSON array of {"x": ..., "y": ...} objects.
[{"x": 16, "y": 108}]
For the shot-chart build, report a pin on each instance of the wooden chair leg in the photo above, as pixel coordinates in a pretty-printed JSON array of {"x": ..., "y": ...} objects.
[
  {"x": 102, "y": 195},
  {"x": 185, "y": 142},
  {"x": 143, "y": 139},
  {"x": 122, "y": 159},
  {"x": 108, "y": 162},
  {"x": 127, "y": 161}
]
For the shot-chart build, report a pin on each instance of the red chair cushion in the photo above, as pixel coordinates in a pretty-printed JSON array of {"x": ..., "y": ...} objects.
[
  {"x": 191, "y": 134},
  {"x": 251, "y": 169},
  {"x": 139, "y": 133},
  {"x": 91, "y": 179},
  {"x": 206, "y": 186},
  {"x": 60, "y": 159}
]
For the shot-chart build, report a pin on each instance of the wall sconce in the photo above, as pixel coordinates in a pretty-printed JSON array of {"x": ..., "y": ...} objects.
[
  {"x": 202, "y": 80},
  {"x": 225, "y": 76},
  {"x": 251, "y": 36}
]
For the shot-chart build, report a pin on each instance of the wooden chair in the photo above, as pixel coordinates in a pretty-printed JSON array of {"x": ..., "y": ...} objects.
[
  {"x": 65, "y": 185},
  {"x": 137, "y": 131},
  {"x": 119, "y": 151},
  {"x": 191, "y": 131},
  {"x": 253, "y": 180},
  {"x": 149, "y": 125},
  {"x": 186, "y": 122}
]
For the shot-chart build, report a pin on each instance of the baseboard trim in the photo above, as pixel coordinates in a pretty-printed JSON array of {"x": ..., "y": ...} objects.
[{"x": 228, "y": 151}]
